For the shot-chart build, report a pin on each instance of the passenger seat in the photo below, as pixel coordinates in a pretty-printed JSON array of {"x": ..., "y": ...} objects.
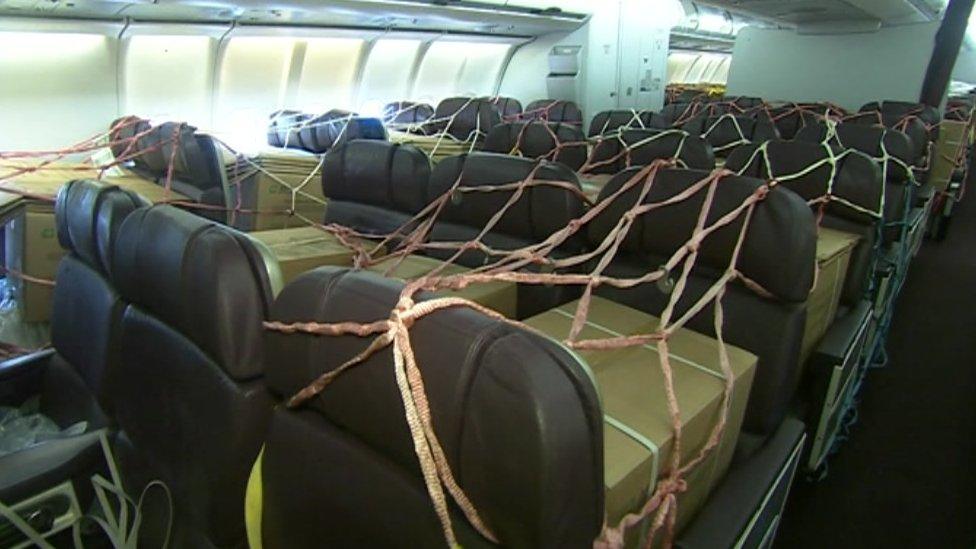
[
  {"x": 189, "y": 395},
  {"x": 563, "y": 143},
  {"x": 72, "y": 380},
  {"x": 516, "y": 413}
]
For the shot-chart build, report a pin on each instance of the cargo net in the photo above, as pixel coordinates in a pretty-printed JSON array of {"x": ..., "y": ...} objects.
[{"x": 509, "y": 266}]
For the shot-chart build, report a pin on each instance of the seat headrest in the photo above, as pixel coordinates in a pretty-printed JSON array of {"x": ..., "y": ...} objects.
[
  {"x": 537, "y": 140},
  {"x": 331, "y": 129},
  {"x": 870, "y": 140},
  {"x": 406, "y": 113},
  {"x": 509, "y": 107},
  {"x": 380, "y": 173},
  {"x": 204, "y": 280},
  {"x": 88, "y": 215},
  {"x": 679, "y": 113},
  {"x": 728, "y": 131},
  {"x": 910, "y": 125},
  {"x": 539, "y": 212},
  {"x": 789, "y": 119},
  {"x": 513, "y": 411},
  {"x": 283, "y": 128},
  {"x": 857, "y": 178},
  {"x": 928, "y": 113},
  {"x": 465, "y": 118},
  {"x": 149, "y": 147},
  {"x": 554, "y": 111},
  {"x": 647, "y": 146},
  {"x": 122, "y": 135},
  {"x": 200, "y": 163},
  {"x": 780, "y": 245},
  {"x": 611, "y": 122}
]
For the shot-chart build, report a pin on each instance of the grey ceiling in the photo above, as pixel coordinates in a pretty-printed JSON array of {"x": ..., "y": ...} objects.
[
  {"x": 438, "y": 15},
  {"x": 813, "y": 12}
]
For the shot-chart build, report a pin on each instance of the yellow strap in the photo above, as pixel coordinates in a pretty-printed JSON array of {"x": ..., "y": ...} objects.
[{"x": 254, "y": 503}]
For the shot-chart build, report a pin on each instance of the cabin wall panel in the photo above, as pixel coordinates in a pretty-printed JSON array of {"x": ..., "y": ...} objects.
[
  {"x": 847, "y": 69},
  {"x": 168, "y": 77},
  {"x": 55, "y": 88}
]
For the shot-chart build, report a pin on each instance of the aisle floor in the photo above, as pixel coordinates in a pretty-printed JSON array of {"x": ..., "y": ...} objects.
[{"x": 907, "y": 475}]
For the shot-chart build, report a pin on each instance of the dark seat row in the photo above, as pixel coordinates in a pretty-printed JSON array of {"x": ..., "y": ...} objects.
[{"x": 318, "y": 134}]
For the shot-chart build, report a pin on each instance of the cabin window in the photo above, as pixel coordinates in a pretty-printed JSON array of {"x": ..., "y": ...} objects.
[{"x": 169, "y": 78}]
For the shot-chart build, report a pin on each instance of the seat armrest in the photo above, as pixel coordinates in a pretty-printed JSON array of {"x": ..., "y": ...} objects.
[
  {"x": 841, "y": 336},
  {"x": 33, "y": 470},
  {"x": 23, "y": 375},
  {"x": 746, "y": 504}
]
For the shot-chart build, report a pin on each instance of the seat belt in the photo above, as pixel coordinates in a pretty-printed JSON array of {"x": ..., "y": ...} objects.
[{"x": 254, "y": 503}]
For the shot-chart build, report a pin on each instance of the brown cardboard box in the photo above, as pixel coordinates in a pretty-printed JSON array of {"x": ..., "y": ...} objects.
[
  {"x": 594, "y": 183},
  {"x": 262, "y": 187},
  {"x": 833, "y": 256},
  {"x": 952, "y": 141},
  {"x": 48, "y": 180},
  {"x": 32, "y": 249},
  {"x": 500, "y": 296},
  {"x": 637, "y": 420},
  {"x": 436, "y": 147},
  {"x": 303, "y": 249}
]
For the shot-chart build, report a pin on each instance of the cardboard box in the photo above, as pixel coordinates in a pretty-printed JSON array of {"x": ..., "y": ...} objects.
[
  {"x": 638, "y": 436},
  {"x": 48, "y": 180},
  {"x": 953, "y": 141},
  {"x": 593, "y": 183},
  {"x": 833, "y": 256},
  {"x": 435, "y": 147},
  {"x": 500, "y": 296},
  {"x": 302, "y": 249},
  {"x": 32, "y": 249},
  {"x": 261, "y": 188}
]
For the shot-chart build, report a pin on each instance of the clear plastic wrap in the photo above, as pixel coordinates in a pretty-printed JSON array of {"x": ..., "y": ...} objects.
[
  {"x": 13, "y": 330},
  {"x": 25, "y": 426}
]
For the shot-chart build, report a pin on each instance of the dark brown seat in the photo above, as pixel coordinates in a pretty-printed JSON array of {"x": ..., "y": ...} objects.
[
  {"x": 188, "y": 394},
  {"x": 563, "y": 143},
  {"x": 516, "y": 414}
]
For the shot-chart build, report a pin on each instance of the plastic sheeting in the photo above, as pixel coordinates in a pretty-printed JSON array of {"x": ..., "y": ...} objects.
[{"x": 25, "y": 426}]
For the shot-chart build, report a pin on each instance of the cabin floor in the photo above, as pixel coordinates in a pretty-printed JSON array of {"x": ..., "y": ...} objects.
[{"x": 906, "y": 477}]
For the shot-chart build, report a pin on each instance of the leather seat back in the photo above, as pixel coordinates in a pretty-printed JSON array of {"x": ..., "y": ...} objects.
[
  {"x": 790, "y": 118},
  {"x": 149, "y": 146},
  {"x": 464, "y": 118},
  {"x": 554, "y": 111},
  {"x": 900, "y": 110},
  {"x": 283, "y": 128},
  {"x": 612, "y": 122},
  {"x": 405, "y": 113},
  {"x": 679, "y": 113},
  {"x": 874, "y": 141},
  {"x": 188, "y": 393},
  {"x": 509, "y": 107},
  {"x": 912, "y": 126},
  {"x": 537, "y": 214},
  {"x": 333, "y": 128},
  {"x": 641, "y": 147},
  {"x": 778, "y": 254},
  {"x": 728, "y": 131},
  {"x": 86, "y": 309},
  {"x": 517, "y": 416},
  {"x": 539, "y": 140},
  {"x": 122, "y": 135},
  {"x": 856, "y": 180},
  {"x": 374, "y": 187}
]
